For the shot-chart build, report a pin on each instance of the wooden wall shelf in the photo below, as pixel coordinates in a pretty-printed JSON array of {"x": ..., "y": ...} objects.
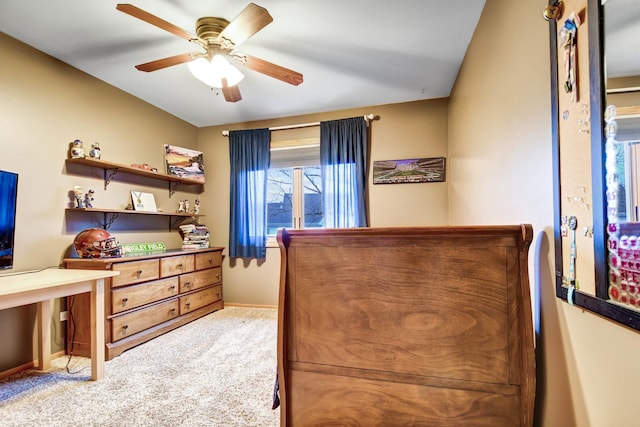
[
  {"x": 111, "y": 169},
  {"x": 110, "y": 215}
]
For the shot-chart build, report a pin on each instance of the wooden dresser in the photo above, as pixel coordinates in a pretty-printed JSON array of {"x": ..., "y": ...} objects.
[
  {"x": 153, "y": 294},
  {"x": 406, "y": 326}
]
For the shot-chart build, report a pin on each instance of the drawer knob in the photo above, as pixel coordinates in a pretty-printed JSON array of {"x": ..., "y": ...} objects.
[
  {"x": 172, "y": 311},
  {"x": 180, "y": 266},
  {"x": 187, "y": 304},
  {"x": 217, "y": 293},
  {"x": 139, "y": 273},
  {"x": 172, "y": 287},
  {"x": 210, "y": 260},
  {"x": 125, "y": 327},
  {"x": 187, "y": 284},
  {"x": 124, "y": 300},
  {"x": 217, "y": 275}
]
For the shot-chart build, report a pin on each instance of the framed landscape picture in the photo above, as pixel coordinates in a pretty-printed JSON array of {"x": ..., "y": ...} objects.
[
  {"x": 184, "y": 162},
  {"x": 409, "y": 170}
]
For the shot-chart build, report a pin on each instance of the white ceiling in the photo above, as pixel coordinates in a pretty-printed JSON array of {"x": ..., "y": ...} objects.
[{"x": 352, "y": 53}]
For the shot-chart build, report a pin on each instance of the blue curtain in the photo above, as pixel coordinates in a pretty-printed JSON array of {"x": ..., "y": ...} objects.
[
  {"x": 343, "y": 157},
  {"x": 249, "y": 157}
]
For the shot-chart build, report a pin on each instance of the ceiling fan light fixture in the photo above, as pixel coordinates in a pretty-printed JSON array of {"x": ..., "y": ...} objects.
[
  {"x": 217, "y": 36},
  {"x": 212, "y": 73}
]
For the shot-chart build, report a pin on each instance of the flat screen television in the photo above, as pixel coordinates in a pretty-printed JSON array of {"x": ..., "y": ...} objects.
[{"x": 8, "y": 199}]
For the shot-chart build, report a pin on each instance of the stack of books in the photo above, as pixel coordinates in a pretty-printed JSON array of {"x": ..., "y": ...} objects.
[{"x": 194, "y": 236}]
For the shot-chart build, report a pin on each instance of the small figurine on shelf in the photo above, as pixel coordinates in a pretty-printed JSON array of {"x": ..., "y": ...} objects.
[
  {"x": 196, "y": 207},
  {"x": 88, "y": 199},
  {"x": 95, "y": 151},
  {"x": 186, "y": 206},
  {"x": 77, "y": 191},
  {"x": 181, "y": 207},
  {"x": 76, "y": 149}
]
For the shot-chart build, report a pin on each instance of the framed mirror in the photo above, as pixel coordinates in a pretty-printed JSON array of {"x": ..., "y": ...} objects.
[
  {"x": 597, "y": 208},
  {"x": 621, "y": 71}
]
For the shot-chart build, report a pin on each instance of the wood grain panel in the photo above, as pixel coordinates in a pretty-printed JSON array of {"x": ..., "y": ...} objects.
[
  {"x": 200, "y": 279},
  {"x": 138, "y": 320},
  {"x": 406, "y": 326},
  {"x": 207, "y": 277},
  {"x": 347, "y": 401},
  {"x": 196, "y": 300},
  {"x": 385, "y": 313},
  {"x": 176, "y": 265},
  {"x": 208, "y": 260},
  {"x": 126, "y": 298},
  {"x": 135, "y": 272}
]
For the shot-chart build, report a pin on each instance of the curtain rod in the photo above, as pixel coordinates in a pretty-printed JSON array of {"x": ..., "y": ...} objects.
[{"x": 368, "y": 117}]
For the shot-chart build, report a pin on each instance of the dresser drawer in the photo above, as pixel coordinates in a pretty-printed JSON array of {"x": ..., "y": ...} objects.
[
  {"x": 135, "y": 272},
  {"x": 186, "y": 282},
  {"x": 200, "y": 279},
  {"x": 199, "y": 299},
  {"x": 129, "y": 297},
  {"x": 139, "y": 320},
  {"x": 172, "y": 266},
  {"x": 208, "y": 260}
]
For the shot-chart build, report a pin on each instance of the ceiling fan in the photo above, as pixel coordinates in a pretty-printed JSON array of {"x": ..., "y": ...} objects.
[{"x": 218, "y": 38}]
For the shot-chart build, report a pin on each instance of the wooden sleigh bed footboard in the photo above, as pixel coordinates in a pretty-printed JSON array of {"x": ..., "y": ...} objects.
[{"x": 406, "y": 326}]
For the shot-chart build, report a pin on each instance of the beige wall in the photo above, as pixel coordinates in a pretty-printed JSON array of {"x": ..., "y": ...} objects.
[
  {"x": 402, "y": 131},
  {"x": 501, "y": 172},
  {"x": 45, "y": 104},
  {"x": 495, "y": 132}
]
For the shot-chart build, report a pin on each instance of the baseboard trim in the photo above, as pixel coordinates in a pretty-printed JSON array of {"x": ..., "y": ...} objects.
[
  {"x": 235, "y": 304},
  {"x": 12, "y": 371},
  {"x": 28, "y": 365}
]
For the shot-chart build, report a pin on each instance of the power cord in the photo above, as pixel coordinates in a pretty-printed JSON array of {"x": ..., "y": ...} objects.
[
  {"x": 71, "y": 319},
  {"x": 19, "y": 273}
]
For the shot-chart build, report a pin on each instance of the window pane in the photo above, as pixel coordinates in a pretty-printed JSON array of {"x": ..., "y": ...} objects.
[
  {"x": 295, "y": 156},
  {"x": 312, "y": 197},
  {"x": 279, "y": 199}
]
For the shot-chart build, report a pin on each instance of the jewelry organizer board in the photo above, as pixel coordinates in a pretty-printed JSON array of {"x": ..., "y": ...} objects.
[{"x": 575, "y": 153}]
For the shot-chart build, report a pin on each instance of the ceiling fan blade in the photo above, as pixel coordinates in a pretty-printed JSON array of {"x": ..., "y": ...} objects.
[
  {"x": 145, "y": 16},
  {"x": 268, "y": 68},
  {"x": 252, "y": 19},
  {"x": 231, "y": 93},
  {"x": 159, "y": 64}
]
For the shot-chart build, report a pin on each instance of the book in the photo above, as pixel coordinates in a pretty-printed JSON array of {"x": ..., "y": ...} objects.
[{"x": 194, "y": 236}]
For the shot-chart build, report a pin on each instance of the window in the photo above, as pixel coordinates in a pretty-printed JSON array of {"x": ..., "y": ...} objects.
[{"x": 294, "y": 189}]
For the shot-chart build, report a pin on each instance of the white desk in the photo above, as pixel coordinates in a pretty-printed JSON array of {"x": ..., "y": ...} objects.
[{"x": 41, "y": 287}]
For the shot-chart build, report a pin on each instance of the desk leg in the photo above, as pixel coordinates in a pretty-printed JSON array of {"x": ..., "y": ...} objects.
[
  {"x": 97, "y": 330},
  {"x": 44, "y": 335}
]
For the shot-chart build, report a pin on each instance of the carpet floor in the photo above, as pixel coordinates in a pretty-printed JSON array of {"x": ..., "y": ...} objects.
[{"x": 218, "y": 370}]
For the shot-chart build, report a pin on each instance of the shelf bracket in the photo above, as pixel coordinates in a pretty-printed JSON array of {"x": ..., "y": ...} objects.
[
  {"x": 108, "y": 176},
  {"x": 107, "y": 223},
  {"x": 174, "y": 221},
  {"x": 172, "y": 187}
]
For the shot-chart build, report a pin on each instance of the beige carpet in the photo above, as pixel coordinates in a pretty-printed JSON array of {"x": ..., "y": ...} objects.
[{"x": 216, "y": 371}]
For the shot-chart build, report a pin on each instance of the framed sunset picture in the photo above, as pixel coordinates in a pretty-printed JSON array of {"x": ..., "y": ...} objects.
[{"x": 184, "y": 162}]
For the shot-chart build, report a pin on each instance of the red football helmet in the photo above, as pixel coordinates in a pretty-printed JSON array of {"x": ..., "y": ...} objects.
[{"x": 96, "y": 243}]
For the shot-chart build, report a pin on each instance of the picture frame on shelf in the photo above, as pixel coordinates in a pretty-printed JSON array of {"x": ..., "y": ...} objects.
[
  {"x": 184, "y": 162},
  {"x": 143, "y": 202}
]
